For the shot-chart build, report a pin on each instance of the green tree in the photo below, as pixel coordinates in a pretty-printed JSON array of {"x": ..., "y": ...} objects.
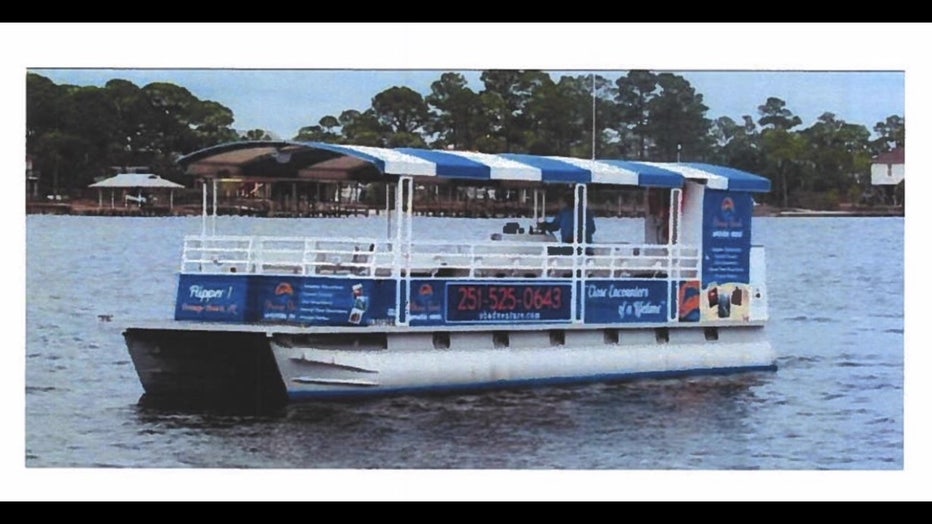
[
  {"x": 168, "y": 124},
  {"x": 785, "y": 151},
  {"x": 60, "y": 153},
  {"x": 46, "y": 105},
  {"x": 212, "y": 123},
  {"x": 514, "y": 89},
  {"x": 493, "y": 113},
  {"x": 257, "y": 134},
  {"x": 891, "y": 133},
  {"x": 738, "y": 144},
  {"x": 676, "y": 121},
  {"x": 400, "y": 110},
  {"x": 561, "y": 115},
  {"x": 362, "y": 128},
  {"x": 840, "y": 154},
  {"x": 787, "y": 164},
  {"x": 775, "y": 115},
  {"x": 724, "y": 129},
  {"x": 326, "y": 130},
  {"x": 93, "y": 120},
  {"x": 606, "y": 117},
  {"x": 635, "y": 91},
  {"x": 455, "y": 113},
  {"x": 77, "y": 133},
  {"x": 181, "y": 123},
  {"x": 554, "y": 121},
  {"x": 130, "y": 109}
]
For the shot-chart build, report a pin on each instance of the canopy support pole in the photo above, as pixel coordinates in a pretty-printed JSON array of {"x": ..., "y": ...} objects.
[
  {"x": 593, "y": 117},
  {"x": 401, "y": 248},
  {"x": 204, "y": 207},
  {"x": 213, "y": 224},
  {"x": 580, "y": 209},
  {"x": 536, "y": 219},
  {"x": 388, "y": 213},
  {"x": 675, "y": 216}
]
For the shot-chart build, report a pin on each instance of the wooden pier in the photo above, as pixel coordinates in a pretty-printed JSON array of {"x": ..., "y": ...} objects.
[{"x": 460, "y": 209}]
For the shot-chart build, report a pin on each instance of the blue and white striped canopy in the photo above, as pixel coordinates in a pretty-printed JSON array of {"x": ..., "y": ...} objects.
[{"x": 469, "y": 165}]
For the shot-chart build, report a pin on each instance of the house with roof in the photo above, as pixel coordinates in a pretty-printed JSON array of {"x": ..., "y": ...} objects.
[{"x": 888, "y": 170}]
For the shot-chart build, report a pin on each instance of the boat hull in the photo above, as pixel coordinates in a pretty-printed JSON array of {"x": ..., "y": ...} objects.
[
  {"x": 271, "y": 367},
  {"x": 205, "y": 367}
]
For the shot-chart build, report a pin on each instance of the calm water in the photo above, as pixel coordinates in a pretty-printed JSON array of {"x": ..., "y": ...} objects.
[{"x": 836, "y": 403}]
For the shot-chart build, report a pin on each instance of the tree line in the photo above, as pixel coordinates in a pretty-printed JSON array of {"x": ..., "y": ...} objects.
[{"x": 77, "y": 133}]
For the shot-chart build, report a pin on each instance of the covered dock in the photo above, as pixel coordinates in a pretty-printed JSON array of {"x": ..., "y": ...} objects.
[{"x": 142, "y": 184}]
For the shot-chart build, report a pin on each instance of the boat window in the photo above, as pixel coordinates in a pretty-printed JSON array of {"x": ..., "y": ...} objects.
[
  {"x": 442, "y": 340},
  {"x": 610, "y": 336},
  {"x": 557, "y": 337},
  {"x": 500, "y": 339}
]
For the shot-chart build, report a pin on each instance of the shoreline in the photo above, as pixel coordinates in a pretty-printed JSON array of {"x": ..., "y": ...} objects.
[
  {"x": 79, "y": 208},
  {"x": 765, "y": 210}
]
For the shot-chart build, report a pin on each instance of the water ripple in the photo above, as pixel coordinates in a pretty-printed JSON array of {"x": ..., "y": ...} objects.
[
  {"x": 40, "y": 389},
  {"x": 805, "y": 318},
  {"x": 839, "y": 380}
]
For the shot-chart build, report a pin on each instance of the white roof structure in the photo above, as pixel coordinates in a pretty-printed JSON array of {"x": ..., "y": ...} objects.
[
  {"x": 889, "y": 169},
  {"x": 133, "y": 180}
]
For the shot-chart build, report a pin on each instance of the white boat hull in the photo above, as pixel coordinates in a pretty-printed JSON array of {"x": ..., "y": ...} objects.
[
  {"x": 410, "y": 364},
  {"x": 251, "y": 364}
]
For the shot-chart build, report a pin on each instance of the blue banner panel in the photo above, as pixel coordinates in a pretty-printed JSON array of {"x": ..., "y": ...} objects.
[
  {"x": 277, "y": 298},
  {"x": 212, "y": 298},
  {"x": 427, "y": 300},
  {"x": 508, "y": 302},
  {"x": 726, "y": 237},
  {"x": 324, "y": 301},
  {"x": 625, "y": 301}
]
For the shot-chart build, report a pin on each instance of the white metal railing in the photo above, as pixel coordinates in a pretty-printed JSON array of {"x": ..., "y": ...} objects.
[
  {"x": 216, "y": 254},
  {"x": 487, "y": 259}
]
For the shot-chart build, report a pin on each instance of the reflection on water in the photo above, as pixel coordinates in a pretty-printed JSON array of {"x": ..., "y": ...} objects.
[{"x": 594, "y": 426}]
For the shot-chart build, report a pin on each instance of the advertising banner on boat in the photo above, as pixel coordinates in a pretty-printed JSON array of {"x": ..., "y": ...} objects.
[
  {"x": 277, "y": 298},
  {"x": 726, "y": 302},
  {"x": 726, "y": 237},
  {"x": 326, "y": 301},
  {"x": 726, "y": 242},
  {"x": 625, "y": 301},
  {"x": 480, "y": 302},
  {"x": 688, "y": 300},
  {"x": 427, "y": 301},
  {"x": 212, "y": 298}
]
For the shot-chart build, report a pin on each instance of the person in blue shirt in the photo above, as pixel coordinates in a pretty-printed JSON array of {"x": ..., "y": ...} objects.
[{"x": 563, "y": 222}]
